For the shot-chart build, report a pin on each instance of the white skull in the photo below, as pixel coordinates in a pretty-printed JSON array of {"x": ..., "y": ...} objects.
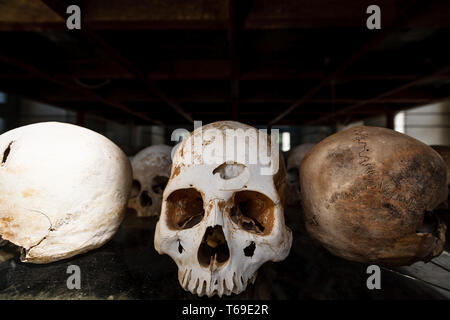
[
  {"x": 63, "y": 190},
  {"x": 151, "y": 171},
  {"x": 222, "y": 212},
  {"x": 292, "y": 175}
]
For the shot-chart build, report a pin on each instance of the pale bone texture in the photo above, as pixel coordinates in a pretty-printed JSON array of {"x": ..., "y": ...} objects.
[
  {"x": 63, "y": 190},
  {"x": 368, "y": 195},
  {"x": 292, "y": 173},
  {"x": 220, "y": 203},
  {"x": 151, "y": 171}
]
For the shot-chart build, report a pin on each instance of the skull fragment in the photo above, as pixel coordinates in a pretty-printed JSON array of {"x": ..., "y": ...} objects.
[
  {"x": 63, "y": 190},
  {"x": 222, "y": 212},
  {"x": 368, "y": 195},
  {"x": 151, "y": 171}
]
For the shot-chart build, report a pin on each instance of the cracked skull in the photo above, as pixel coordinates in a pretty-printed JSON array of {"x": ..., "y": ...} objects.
[
  {"x": 151, "y": 171},
  {"x": 222, "y": 214},
  {"x": 369, "y": 193},
  {"x": 63, "y": 190}
]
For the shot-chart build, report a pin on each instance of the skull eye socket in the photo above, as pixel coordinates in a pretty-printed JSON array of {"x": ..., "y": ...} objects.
[
  {"x": 253, "y": 211},
  {"x": 184, "y": 209},
  {"x": 159, "y": 184},
  {"x": 135, "y": 189}
]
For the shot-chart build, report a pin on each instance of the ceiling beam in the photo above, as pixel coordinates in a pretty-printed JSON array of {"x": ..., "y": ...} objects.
[
  {"x": 59, "y": 7},
  {"x": 138, "y": 96},
  {"x": 410, "y": 13},
  {"x": 384, "y": 95},
  {"x": 25, "y": 66},
  {"x": 208, "y": 72},
  {"x": 115, "y": 55},
  {"x": 210, "y": 14}
]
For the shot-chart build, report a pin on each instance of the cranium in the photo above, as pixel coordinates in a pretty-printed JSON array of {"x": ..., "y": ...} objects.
[
  {"x": 368, "y": 195},
  {"x": 151, "y": 171},
  {"x": 292, "y": 175},
  {"x": 63, "y": 190},
  {"x": 222, "y": 212}
]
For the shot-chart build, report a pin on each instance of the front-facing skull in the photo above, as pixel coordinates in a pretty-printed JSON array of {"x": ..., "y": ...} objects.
[
  {"x": 222, "y": 214},
  {"x": 151, "y": 171}
]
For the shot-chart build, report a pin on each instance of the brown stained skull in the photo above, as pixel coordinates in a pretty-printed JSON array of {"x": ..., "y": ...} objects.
[
  {"x": 368, "y": 195},
  {"x": 444, "y": 207}
]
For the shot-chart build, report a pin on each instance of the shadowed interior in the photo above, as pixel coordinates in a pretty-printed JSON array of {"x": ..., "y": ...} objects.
[
  {"x": 135, "y": 188},
  {"x": 213, "y": 247},
  {"x": 253, "y": 211},
  {"x": 184, "y": 209},
  {"x": 159, "y": 184}
]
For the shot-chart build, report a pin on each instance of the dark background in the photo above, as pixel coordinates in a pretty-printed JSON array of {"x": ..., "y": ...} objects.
[{"x": 138, "y": 69}]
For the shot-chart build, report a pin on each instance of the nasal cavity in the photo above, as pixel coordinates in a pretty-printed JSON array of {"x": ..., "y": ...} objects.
[
  {"x": 213, "y": 248},
  {"x": 145, "y": 199}
]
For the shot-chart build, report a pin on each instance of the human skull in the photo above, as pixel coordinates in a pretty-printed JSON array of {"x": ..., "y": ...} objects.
[
  {"x": 222, "y": 212},
  {"x": 368, "y": 195},
  {"x": 151, "y": 171},
  {"x": 63, "y": 190},
  {"x": 292, "y": 175}
]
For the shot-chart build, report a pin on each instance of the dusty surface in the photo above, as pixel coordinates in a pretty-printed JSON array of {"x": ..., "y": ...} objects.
[{"x": 128, "y": 267}]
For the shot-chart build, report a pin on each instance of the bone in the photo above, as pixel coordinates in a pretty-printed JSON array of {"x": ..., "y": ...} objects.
[
  {"x": 365, "y": 191},
  {"x": 224, "y": 209},
  {"x": 67, "y": 189}
]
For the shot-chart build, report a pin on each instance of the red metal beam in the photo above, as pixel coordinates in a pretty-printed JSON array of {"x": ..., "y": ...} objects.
[
  {"x": 234, "y": 57},
  {"x": 85, "y": 92},
  {"x": 59, "y": 6},
  {"x": 383, "y": 95},
  {"x": 377, "y": 39}
]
